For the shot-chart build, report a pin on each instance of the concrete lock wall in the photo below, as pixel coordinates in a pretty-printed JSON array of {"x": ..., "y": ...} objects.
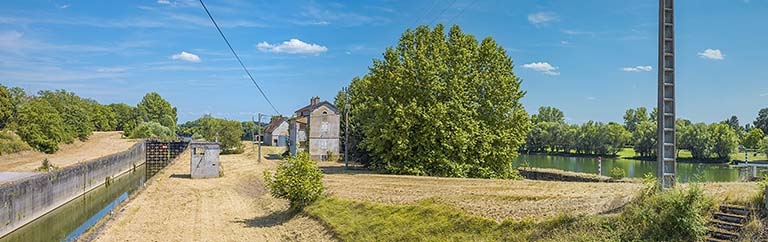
[{"x": 27, "y": 199}]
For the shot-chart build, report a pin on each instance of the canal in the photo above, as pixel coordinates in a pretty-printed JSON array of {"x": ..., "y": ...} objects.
[
  {"x": 72, "y": 219},
  {"x": 686, "y": 172}
]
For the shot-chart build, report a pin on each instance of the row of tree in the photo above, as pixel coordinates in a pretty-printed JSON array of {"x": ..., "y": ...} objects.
[
  {"x": 227, "y": 132},
  {"x": 550, "y": 133},
  {"x": 50, "y": 118}
]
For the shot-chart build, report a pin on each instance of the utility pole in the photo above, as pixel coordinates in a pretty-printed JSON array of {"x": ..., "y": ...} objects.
[
  {"x": 260, "y": 138},
  {"x": 665, "y": 115},
  {"x": 346, "y": 128},
  {"x": 253, "y": 135}
]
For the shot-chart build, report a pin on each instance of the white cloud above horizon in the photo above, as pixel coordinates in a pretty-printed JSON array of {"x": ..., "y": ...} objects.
[
  {"x": 163, "y": 1},
  {"x": 543, "y": 67},
  {"x": 292, "y": 46},
  {"x": 542, "y": 18},
  {"x": 712, "y": 54},
  {"x": 186, "y": 56},
  {"x": 637, "y": 68}
]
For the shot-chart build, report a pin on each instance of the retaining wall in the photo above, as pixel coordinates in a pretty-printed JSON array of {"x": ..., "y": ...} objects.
[{"x": 25, "y": 200}]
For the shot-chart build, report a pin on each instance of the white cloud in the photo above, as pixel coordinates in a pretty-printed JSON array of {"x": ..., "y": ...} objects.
[
  {"x": 764, "y": 94},
  {"x": 542, "y": 18},
  {"x": 293, "y": 46},
  {"x": 590, "y": 98},
  {"x": 711, "y": 54},
  {"x": 186, "y": 56},
  {"x": 65, "y": 6},
  {"x": 637, "y": 68},
  {"x": 542, "y": 67},
  {"x": 163, "y": 1}
]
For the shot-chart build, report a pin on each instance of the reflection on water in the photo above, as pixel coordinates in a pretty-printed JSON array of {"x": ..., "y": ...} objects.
[
  {"x": 69, "y": 221},
  {"x": 686, "y": 172}
]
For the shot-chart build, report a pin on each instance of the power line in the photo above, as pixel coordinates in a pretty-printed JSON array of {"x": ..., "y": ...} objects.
[
  {"x": 462, "y": 11},
  {"x": 441, "y": 13},
  {"x": 434, "y": 3},
  {"x": 238, "y": 57}
]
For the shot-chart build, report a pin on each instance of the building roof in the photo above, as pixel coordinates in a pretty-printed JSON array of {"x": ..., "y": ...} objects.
[
  {"x": 274, "y": 124},
  {"x": 312, "y": 107}
]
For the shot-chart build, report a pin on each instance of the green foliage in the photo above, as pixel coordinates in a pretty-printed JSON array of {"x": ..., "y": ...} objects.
[
  {"x": 673, "y": 215},
  {"x": 644, "y": 138},
  {"x": 249, "y": 130},
  {"x": 226, "y": 132},
  {"x": 698, "y": 139},
  {"x": 153, "y": 108},
  {"x": 6, "y": 106},
  {"x": 764, "y": 145},
  {"x": 126, "y": 117},
  {"x": 47, "y": 166},
  {"x": 548, "y": 114},
  {"x": 11, "y": 143},
  {"x": 103, "y": 117},
  {"x": 753, "y": 138},
  {"x": 617, "y": 173},
  {"x": 724, "y": 140},
  {"x": 633, "y": 117},
  {"x": 440, "y": 105},
  {"x": 41, "y": 126},
  {"x": 298, "y": 179},
  {"x": 761, "y": 122},
  {"x": 152, "y": 130},
  {"x": 74, "y": 112}
]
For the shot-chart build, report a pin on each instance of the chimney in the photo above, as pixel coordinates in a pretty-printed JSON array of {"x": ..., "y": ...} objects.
[{"x": 314, "y": 101}]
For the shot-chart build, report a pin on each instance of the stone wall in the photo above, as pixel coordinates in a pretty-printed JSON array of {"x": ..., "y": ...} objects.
[{"x": 24, "y": 200}]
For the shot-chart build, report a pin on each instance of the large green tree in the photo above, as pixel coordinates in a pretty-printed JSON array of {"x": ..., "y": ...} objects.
[
  {"x": 156, "y": 109},
  {"x": 753, "y": 138},
  {"x": 761, "y": 122},
  {"x": 74, "y": 111},
  {"x": 633, "y": 117},
  {"x": 724, "y": 140},
  {"x": 43, "y": 128},
  {"x": 548, "y": 114},
  {"x": 644, "y": 138},
  {"x": 6, "y": 106},
  {"x": 442, "y": 105},
  {"x": 126, "y": 117},
  {"x": 696, "y": 138}
]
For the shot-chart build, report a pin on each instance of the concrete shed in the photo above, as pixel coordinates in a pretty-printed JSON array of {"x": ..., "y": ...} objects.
[{"x": 205, "y": 160}]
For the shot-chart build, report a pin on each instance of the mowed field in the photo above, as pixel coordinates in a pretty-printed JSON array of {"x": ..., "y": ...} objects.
[
  {"x": 238, "y": 207},
  {"x": 98, "y": 144}
]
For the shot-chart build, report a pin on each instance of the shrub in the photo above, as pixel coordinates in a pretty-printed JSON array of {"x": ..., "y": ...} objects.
[
  {"x": 298, "y": 179},
  {"x": 47, "y": 166},
  {"x": 11, "y": 143},
  {"x": 617, "y": 173},
  {"x": 331, "y": 156},
  {"x": 673, "y": 215}
]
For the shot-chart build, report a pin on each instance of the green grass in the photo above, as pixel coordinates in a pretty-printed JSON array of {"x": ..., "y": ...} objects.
[{"x": 430, "y": 221}]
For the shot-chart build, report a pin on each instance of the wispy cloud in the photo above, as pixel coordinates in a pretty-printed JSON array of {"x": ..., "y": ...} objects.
[
  {"x": 293, "y": 46},
  {"x": 542, "y": 67},
  {"x": 764, "y": 94},
  {"x": 637, "y": 68},
  {"x": 577, "y": 32},
  {"x": 542, "y": 18},
  {"x": 326, "y": 14},
  {"x": 186, "y": 56},
  {"x": 712, "y": 54}
]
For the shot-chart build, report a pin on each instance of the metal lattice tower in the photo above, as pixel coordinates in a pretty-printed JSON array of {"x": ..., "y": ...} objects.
[{"x": 665, "y": 114}]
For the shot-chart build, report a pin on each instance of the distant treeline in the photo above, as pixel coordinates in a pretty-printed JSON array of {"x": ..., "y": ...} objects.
[
  {"x": 44, "y": 120},
  {"x": 550, "y": 133}
]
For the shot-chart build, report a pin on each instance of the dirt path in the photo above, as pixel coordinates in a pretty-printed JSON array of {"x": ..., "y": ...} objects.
[
  {"x": 99, "y": 144},
  {"x": 236, "y": 207}
]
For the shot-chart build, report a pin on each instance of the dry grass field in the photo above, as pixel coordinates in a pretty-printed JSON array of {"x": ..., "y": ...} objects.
[
  {"x": 237, "y": 207},
  {"x": 98, "y": 144}
]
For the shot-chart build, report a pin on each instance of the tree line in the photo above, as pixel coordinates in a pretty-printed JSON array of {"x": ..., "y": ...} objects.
[
  {"x": 48, "y": 118},
  {"x": 550, "y": 133},
  {"x": 227, "y": 132}
]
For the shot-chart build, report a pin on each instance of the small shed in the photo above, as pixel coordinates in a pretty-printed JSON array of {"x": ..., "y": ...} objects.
[{"x": 205, "y": 160}]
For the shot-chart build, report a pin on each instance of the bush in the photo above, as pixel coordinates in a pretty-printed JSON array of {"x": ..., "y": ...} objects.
[
  {"x": 11, "y": 143},
  {"x": 47, "y": 166},
  {"x": 617, "y": 173},
  {"x": 673, "y": 215},
  {"x": 298, "y": 179}
]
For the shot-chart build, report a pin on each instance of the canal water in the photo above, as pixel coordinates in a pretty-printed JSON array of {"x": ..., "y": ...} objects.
[
  {"x": 686, "y": 172},
  {"x": 72, "y": 219}
]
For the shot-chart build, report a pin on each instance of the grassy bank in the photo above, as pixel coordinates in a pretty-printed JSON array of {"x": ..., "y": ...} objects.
[{"x": 427, "y": 220}]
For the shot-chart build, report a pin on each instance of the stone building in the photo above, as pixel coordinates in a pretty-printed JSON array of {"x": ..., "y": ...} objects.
[
  {"x": 276, "y": 132},
  {"x": 315, "y": 128}
]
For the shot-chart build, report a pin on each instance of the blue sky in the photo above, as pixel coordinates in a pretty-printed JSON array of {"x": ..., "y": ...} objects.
[{"x": 591, "y": 59}]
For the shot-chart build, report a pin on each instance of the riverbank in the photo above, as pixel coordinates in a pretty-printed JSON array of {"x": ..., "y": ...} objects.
[{"x": 682, "y": 156}]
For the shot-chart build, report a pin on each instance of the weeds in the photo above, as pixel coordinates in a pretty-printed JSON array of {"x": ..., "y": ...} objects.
[{"x": 47, "y": 166}]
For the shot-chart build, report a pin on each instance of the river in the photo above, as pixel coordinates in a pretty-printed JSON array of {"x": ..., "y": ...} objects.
[
  {"x": 686, "y": 172},
  {"x": 68, "y": 222}
]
